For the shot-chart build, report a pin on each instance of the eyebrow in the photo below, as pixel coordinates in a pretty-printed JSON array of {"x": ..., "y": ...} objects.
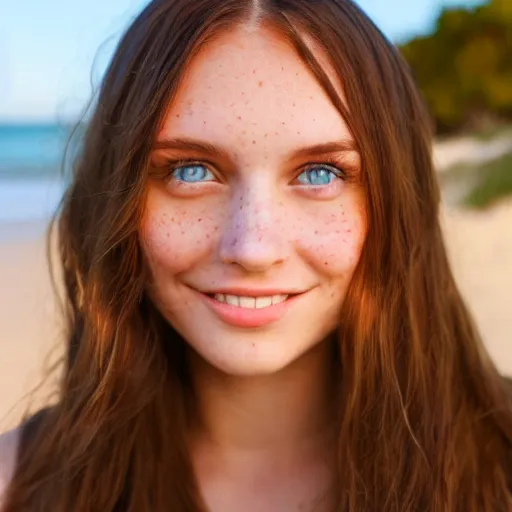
[{"x": 198, "y": 146}]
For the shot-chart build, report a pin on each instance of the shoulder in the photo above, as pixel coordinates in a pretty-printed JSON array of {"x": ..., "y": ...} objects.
[
  {"x": 507, "y": 385},
  {"x": 507, "y": 379},
  {"x": 15, "y": 443},
  {"x": 9, "y": 445}
]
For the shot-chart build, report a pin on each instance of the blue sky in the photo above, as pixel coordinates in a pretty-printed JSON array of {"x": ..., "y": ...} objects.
[{"x": 50, "y": 49}]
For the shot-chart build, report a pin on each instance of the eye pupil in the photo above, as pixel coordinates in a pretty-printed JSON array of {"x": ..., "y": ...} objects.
[
  {"x": 317, "y": 176},
  {"x": 191, "y": 173}
]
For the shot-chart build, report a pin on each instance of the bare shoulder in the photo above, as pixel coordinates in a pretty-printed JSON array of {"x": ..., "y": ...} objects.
[{"x": 9, "y": 444}]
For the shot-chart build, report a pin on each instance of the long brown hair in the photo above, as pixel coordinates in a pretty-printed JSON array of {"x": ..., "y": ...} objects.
[{"x": 425, "y": 422}]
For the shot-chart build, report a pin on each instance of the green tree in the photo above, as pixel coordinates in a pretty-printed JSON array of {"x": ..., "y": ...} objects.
[{"x": 464, "y": 67}]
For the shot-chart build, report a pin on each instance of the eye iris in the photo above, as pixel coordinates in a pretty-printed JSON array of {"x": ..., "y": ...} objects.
[
  {"x": 191, "y": 173},
  {"x": 317, "y": 177}
]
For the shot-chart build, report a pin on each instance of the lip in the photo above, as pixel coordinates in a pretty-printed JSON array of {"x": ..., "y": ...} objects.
[{"x": 250, "y": 318}]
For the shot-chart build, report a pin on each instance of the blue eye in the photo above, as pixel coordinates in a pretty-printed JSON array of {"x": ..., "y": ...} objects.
[
  {"x": 319, "y": 176},
  {"x": 192, "y": 173}
]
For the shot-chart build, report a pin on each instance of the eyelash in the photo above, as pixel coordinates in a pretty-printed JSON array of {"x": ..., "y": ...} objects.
[{"x": 344, "y": 172}]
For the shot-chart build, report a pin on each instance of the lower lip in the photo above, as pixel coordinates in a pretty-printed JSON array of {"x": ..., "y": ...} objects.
[{"x": 248, "y": 317}]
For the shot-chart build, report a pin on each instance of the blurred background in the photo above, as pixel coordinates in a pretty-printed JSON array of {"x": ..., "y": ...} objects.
[{"x": 53, "y": 55}]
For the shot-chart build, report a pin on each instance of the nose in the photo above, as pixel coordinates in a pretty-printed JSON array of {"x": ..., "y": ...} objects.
[{"x": 253, "y": 237}]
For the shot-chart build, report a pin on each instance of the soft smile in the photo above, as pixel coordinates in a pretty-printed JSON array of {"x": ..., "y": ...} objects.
[{"x": 250, "y": 309}]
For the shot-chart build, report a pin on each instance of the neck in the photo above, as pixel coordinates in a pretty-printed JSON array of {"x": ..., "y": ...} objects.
[{"x": 285, "y": 412}]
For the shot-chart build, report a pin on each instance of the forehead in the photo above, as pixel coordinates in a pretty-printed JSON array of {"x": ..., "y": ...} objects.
[{"x": 249, "y": 92}]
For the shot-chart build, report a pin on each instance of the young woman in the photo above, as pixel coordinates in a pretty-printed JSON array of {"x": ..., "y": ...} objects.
[{"x": 261, "y": 313}]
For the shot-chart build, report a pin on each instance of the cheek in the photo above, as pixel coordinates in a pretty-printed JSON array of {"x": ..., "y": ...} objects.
[
  {"x": 332, "y": 239},
  {"x": 175, "y": 238}
]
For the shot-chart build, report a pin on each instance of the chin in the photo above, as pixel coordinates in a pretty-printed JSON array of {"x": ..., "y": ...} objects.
[
  {"x": 240, "y": 368},
  {"x": 257, "y": 355}
]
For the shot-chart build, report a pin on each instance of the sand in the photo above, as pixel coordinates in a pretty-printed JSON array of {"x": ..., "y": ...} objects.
[
  {"x": 468, "y": 150},
  {"x": 480, "y": 247},
  {"x": 28, "y": 315}
]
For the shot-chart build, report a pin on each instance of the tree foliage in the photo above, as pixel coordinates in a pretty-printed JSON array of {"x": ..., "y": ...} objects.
[{"x": 464, "y": 68}]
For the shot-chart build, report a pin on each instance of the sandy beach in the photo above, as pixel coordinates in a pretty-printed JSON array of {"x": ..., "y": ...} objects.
[
  {"x": 479, "y": 243},
  {"x": 28, "y": 315}
]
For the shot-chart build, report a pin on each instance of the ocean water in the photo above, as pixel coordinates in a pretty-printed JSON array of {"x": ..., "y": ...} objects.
[{"x": 31, "y": 158}]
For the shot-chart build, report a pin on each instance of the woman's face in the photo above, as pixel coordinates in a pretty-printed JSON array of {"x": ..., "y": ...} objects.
[{"x": 255, "y": 217}]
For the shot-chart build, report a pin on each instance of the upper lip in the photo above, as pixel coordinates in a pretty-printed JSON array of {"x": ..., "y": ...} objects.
[{"x": 252, "y": 292}]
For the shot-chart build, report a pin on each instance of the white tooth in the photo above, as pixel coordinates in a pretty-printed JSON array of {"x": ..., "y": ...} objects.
[
  {"x": 263, "y": 302},
  {"x": 220, "y": 297},
  {"x": 233, "y": 300},
  {"x": 247, "y": 302},
  {"x": 277, "y": 299}
]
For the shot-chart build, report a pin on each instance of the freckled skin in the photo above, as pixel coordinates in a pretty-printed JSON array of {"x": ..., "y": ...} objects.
[{"x": 253, "y": 226}]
